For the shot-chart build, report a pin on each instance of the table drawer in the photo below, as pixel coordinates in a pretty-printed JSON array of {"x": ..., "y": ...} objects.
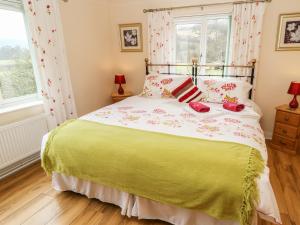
[
  {"x": 288, "y": 118},
  {"x": 286, "y": 130},
  {"x": 284, "y": 142}
]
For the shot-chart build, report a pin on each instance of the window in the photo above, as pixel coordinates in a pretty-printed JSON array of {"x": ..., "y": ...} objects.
[
  {"x": 188, "y": 42},
  {"x": 17, "y": 79},
  {"x": 206, "y": 38}
]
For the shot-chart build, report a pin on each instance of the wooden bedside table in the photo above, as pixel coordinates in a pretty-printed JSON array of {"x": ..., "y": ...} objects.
[
  {"x": 116, "y": 97},
  {"x": 286, "y": 135}
]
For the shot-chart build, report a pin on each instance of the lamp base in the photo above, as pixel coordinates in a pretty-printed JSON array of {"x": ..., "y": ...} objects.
[
  {"x": 294, "y": 103},
  {"x": 120, "y": 90}
]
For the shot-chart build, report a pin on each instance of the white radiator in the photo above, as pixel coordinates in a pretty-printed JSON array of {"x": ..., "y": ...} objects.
[{"x": 20, "y": 143}]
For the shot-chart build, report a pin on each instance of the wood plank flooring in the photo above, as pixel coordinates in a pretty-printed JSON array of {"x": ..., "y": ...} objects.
[{"x": 27, "y": 198}]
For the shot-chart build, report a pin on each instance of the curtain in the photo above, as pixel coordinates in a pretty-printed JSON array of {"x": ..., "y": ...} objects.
[
  {"x": 247, "y": 21},
  {"x": 160, "y": 26},
  {"x": 45, "y": 31}
]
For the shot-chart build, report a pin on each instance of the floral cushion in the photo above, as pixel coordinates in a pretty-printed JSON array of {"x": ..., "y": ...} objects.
[
  {"x": 160, "y": 86},
  {"x": 224, "y": 90}
]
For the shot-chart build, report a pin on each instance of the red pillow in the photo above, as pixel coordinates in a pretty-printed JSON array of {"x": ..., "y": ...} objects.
[{"x": 187, "y": 92}]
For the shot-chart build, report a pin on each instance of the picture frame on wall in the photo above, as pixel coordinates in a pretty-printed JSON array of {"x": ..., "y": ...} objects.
[
  {"x": 131, "y": 37},
  {"x": 288, "y": 37}
]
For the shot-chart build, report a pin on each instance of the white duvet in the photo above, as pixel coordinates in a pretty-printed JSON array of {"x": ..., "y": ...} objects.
[
  {"x": 169, "y": 116},
  {"x": 172, "y": 117}
]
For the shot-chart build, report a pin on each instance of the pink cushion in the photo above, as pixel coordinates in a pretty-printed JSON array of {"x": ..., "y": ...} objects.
[
  {"x": 233, "y": 106},
  {"x": 199, "y": 107}
]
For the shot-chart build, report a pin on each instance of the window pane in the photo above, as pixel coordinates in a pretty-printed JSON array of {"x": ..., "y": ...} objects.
[
  {"x": 16, "y": 70},
  {"x": 187, "y": 42},
  {"x": 217, "y": 38}
]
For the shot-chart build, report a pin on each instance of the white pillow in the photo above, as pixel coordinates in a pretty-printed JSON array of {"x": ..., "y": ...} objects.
[
  {"x": 220, "y": 90},
  {"x": 160, "y": 86}
]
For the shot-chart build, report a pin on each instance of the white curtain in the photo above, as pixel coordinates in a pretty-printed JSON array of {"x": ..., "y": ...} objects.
[
  {"x": 247, "y": 21},
  {"x": 46, "y": 35},
  {"x": 160, "y": 27}
]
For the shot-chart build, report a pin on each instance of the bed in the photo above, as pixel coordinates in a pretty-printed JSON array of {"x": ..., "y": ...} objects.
[{"x": 161, "y": 119}]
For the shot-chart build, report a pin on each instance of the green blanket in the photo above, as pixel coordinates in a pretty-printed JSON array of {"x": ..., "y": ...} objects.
[{"x": 218, "y": 178}]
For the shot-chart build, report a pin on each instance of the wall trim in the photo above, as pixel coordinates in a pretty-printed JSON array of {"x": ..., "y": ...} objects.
[
  {"x": 268, "y": 135},
  {"x": 13, "y": 168}
]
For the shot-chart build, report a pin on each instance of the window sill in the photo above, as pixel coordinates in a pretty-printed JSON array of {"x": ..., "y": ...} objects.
[{"x": 21, "y": 106}]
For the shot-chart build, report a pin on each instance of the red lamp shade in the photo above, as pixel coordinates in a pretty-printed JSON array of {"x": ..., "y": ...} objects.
[
  {"x": 294, "y": 90},
  {"x": 120, "y": 79}
]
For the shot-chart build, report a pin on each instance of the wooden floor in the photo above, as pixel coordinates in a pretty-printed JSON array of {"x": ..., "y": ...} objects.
[{"x": 27, "y": 198}]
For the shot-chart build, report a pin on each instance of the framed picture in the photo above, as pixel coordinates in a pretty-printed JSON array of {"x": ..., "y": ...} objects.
[
  {"x": 131, "y": 37},
  {"x": 288, "y": 38}
]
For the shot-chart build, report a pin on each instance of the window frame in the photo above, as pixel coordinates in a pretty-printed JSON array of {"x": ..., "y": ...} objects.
[
  {"x": 203, "y": 21},
  {"x": 17, "y": 6}
]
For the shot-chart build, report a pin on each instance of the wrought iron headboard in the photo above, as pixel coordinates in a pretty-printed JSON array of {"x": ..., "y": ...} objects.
[{"x": 197, "y": 67}]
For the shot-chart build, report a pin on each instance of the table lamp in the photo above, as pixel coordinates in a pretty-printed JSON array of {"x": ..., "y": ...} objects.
[
  {"x": 120, "y": 79},
  {"x": 294, "y": 90}
]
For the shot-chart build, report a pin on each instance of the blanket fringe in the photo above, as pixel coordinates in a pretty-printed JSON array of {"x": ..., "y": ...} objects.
[{"x": 254, "y": 169}]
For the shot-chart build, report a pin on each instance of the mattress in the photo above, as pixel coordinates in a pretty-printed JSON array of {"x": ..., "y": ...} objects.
[{"x": 169, "y": 116}]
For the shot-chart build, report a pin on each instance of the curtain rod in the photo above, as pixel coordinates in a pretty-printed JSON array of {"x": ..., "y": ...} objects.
[{"x": 203, "y": 5}]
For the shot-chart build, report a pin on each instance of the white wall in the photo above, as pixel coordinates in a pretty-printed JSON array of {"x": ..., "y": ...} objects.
[
  {"x": 17, "y": 115},
  {"x": 277, "y": 69},
  {"x": 87, "y": 36}
]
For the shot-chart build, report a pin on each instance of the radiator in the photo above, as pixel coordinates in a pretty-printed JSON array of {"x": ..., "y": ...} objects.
[{"x": 20, "y": 143}]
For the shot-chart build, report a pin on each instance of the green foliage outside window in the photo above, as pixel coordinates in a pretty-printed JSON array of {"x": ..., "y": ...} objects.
[{"x": 16, "y": 72}]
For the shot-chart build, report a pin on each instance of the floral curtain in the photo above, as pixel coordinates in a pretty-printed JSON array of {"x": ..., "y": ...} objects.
[
  {"x": 47, "y": 40},
  {"x": 160, "y": 26},
  {"x": 247, "y": 21}
]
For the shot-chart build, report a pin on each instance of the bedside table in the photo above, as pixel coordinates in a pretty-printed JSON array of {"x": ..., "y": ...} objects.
[
  {"x": 286, "y": 135},
  {"x": 116, "y": 97}
]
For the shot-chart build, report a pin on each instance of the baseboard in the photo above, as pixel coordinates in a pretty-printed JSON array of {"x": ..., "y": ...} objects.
[
  {"x": 19, "y": 165},
  {"x": 268, "y": 135}
]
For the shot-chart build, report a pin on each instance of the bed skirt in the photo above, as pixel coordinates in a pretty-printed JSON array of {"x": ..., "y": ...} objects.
[{"x": 135, "y": 206}]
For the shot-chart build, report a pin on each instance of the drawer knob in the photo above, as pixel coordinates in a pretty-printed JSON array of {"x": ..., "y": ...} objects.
[
  {"x": 284, "y": 131},
  {"x": 286, "y": 118},
  {"x": 282, "y": 143}
]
